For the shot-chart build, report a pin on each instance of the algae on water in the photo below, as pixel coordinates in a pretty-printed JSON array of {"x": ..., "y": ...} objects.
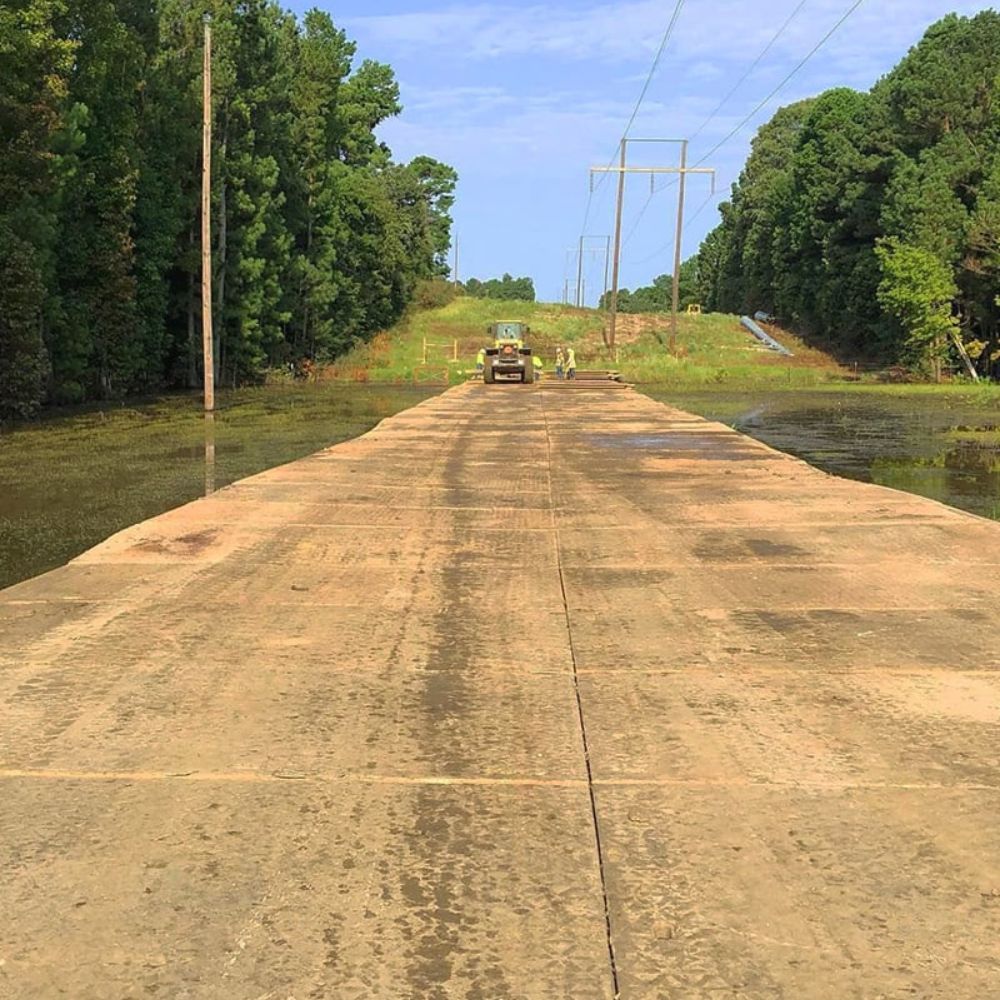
[{"x": 69, "y": 482}]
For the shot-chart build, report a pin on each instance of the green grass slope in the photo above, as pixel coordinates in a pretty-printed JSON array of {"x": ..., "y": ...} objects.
[{"x": 439, "y": 346}]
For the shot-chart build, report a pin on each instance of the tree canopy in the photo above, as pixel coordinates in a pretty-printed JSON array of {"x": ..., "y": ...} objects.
[
  {"x": 319, "y": 236},
  {"x": 872, "y": 220},
  {"x": 659, "y": 296},
  {"x": 506, "y": 288}
]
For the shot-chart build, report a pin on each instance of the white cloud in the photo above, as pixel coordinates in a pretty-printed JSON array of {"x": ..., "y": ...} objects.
[
  {"x": 460, "y": 103},
  {"x": 518, "y": 96},
  {"x": 713, "y": 47},
  {"x": 723, "y": 34},
  {"x": 475, "y": 132},
  {"x": 627, "y": 31}
]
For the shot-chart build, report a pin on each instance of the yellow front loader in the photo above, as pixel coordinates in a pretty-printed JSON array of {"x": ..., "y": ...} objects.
[{"x": 509, "y": 360}]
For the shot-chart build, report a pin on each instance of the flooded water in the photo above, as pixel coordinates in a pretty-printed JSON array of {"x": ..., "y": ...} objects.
[
  {"x": 69, "y": 482},
  {"x": 943, "y": 447}
]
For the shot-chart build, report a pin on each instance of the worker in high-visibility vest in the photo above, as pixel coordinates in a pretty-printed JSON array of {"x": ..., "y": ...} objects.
[
  {"x": 537, "y": 361},
  {"x": 560, "y": 362},
  {"x": 481, "y": 361},
  {"x": 570, "y": 363}
]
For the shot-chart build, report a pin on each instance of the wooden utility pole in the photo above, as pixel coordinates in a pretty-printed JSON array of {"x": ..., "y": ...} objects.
[
  {"x": 208, "y": 353},
  {"x": 616, "y": 271},
  {"x": 622, "y": 170},
  {"x": 678, "y": 248}
]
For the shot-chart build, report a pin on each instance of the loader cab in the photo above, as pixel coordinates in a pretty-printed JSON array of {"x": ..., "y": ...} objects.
[{"x": 508, "y": 334}]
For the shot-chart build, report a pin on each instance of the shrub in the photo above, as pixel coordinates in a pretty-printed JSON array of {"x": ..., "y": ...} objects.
[{"x": 433, "y": 294}]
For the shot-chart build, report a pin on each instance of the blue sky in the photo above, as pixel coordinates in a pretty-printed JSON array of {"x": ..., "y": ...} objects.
[{"x": 523, "y": 97}]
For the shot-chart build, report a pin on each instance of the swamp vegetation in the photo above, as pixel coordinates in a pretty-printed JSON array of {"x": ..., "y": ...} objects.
[
  {"x": 944, "y": 445},
  {"x": 74, "y": 479}
]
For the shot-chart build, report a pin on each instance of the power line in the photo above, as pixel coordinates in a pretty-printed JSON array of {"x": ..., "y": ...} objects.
[
  {"x": 788, "y": 79},
  {"x": 664, "y": 41},
  {"x": 746, "y": 76},
  {"x": 701, "y": 208},
  {"x": 642, "y": 212},
  {"x": 774, "y": 93},
  {"x": 666, "y": 246},
  {"x": 733, "y": 90},
  {"x": 675, "y": 17}
]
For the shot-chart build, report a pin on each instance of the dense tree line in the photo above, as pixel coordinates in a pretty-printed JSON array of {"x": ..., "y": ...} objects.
[
  {"x": 872, "y": 220},
  {"x": 659, "y": 296},
  {"x": 506, "y": 288},
  {"x": 319, "y": 237}
]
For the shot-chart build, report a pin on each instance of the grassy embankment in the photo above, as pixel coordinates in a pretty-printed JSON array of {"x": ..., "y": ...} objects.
[
  {"x": 460, "y": 327},
  {"x": 714, "y": 351}
]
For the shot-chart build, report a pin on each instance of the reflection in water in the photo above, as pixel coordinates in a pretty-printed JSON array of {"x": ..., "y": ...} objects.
[
  {"x": 935, "y": 446},
  {"x": 209, "y": 453}
]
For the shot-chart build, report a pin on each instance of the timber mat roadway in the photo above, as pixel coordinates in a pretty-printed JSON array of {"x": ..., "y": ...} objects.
[{"x": 527, "y": 693}]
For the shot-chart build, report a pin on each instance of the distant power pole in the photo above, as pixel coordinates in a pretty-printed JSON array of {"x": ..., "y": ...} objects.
[
  {"x": 607, "y": 264},
  {"x": 208, "y": 358},
  {"x": 581, "y": 282},
  {"x": 682, "y": 173}
]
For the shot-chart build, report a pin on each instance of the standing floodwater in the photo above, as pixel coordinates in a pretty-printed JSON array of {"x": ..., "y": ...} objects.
[
  {"x": 938, "y": 446},
  {"x": 69, "y": 482}
]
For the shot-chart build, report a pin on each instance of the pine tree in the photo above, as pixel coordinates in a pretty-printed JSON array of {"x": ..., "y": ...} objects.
[
  {"x": 34, "y": 65},
  {"x": 95, "y": 342},
  {"x": 915, "y": 161},
  {"x": 319, "y": 239},
  {"x": 323, "y": 62}
]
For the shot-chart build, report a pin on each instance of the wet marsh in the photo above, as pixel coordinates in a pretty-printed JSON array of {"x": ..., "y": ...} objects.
[
  {"x": 74, "y": 479},
  {"x": 70, "y": 481},
  {"x": 941, "y": 445}
]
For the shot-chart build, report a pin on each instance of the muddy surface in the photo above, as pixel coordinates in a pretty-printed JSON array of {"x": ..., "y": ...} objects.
[
  {"x": 621, "y": 704},
  {"x": 70, "y": 481},
  {"x": 944, "y": 448}
]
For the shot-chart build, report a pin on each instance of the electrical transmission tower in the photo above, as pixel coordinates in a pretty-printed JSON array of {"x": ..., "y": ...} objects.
[
  {"x": 579, "y": 267},
  {"x": 682, "y": 171}
]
